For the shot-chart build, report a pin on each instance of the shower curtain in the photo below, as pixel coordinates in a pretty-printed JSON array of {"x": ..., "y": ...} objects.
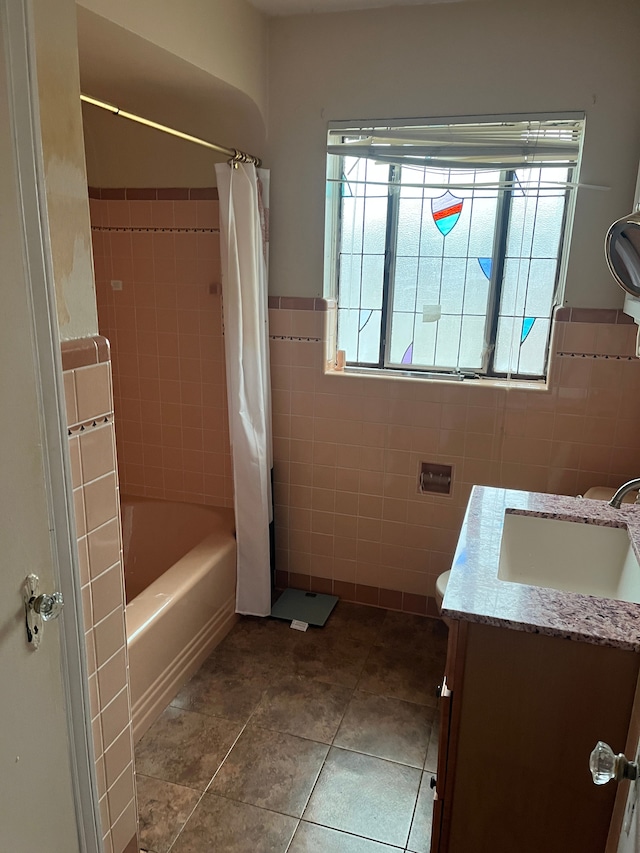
[{"x": 244, "y": 202}]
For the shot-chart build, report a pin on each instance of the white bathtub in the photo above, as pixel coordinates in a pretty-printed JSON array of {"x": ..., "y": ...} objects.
[{"x": 180, "y": 577}]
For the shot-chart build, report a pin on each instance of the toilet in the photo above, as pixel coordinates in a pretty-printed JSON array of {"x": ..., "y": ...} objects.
[
  {"x": 604, "y": 493},
  {"x": 441, "y": 588}
]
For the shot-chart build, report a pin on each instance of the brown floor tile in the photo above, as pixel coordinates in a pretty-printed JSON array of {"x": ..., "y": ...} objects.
[
  {"x": 329, "y": 658},
  {"x": 271, "y": 770},
  {"x": 266, "y": 639},
  {"x": 420, "y": 835},
  {"x": 311, "y": 838},
  {"x": 222, "y": 692},
  {"x": 219, "y": 825},
  {"x": 295, "y": 688},
  {"x": 303, "y": 707},
  {"x": 416, "y": 634},
  {"x": 185, "y": 748},
  {"x": 387, "y": 728},
  {"x": 163, "y": 809},
  {"x": 400, "y": 675},
  {"x": 365, "y": 796},
  {"x": 355, "y": 622}
]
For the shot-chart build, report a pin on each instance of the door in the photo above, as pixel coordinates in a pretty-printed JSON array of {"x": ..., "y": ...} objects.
[
  {"x": 624, "y": 832},
  {"x": 629, "y": 841},
  {"x": 46, "y": 797}
]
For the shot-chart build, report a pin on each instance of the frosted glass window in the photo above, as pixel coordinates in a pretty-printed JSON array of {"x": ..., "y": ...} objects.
[
  {"x": 528, "y": 356},
  {"x": 409, "y": 226},
  {"x": 451, "y": 266},
  {"x": 375, "y": 225},
  {"x": 402, "y": 336},
  {"x": 448, "y": 340}
]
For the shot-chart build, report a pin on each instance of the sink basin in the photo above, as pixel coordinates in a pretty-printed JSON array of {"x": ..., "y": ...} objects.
[{"x": 569, "y": 556}]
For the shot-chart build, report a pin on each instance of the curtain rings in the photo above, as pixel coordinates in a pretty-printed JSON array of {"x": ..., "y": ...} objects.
[{"x": 241, "y": 157}]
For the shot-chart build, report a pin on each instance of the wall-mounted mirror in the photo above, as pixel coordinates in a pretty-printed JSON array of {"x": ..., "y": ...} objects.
[{"x": 622, "y": 250}]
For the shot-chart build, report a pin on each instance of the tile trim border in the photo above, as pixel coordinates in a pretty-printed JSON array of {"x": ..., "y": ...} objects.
[
  {"x": 301, "y": 303},
  {"x": 154, "y": 193},
  {"x": 389, "y": 599},
  {"x": 613, "y": 316},
  {"x": 83, "y": 352}
]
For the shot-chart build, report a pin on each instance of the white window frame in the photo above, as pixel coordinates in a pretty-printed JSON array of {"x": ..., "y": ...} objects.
[{"x": 332, "y": 249}]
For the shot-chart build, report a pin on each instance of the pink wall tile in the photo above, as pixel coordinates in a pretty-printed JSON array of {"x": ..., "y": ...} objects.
[
  {"x": 350, "y": 450},
  {"x": 166, "y": 332},
  {"x": 92, "y": 450},
  {"x": 93, "y": 391}
]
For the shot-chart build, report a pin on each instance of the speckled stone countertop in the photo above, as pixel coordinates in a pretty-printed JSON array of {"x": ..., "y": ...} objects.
[{"x": 476, "y": 594}]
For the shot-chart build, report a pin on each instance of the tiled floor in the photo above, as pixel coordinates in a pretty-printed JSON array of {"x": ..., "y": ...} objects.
[{"x": 290, "y": 742}]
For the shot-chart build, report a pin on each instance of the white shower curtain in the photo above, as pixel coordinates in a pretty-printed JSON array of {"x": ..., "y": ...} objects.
[{"x": 244, "y": 202}]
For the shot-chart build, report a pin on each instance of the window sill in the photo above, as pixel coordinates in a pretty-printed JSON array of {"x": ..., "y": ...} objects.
[{"x": 534, "y": 385}]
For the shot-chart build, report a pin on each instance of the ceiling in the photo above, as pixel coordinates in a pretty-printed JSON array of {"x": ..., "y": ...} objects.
[{"x": 305, "y": 7}]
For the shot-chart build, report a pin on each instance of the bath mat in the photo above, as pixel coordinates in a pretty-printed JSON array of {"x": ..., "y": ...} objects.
[{"x": 314, "y": 608}]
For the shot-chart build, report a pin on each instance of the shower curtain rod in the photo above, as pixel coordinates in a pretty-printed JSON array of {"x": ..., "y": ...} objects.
[{"x": 233, "y": 153}]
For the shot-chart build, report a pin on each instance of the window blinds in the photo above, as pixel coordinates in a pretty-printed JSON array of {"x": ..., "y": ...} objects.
[{"x": 495, "y": 145}]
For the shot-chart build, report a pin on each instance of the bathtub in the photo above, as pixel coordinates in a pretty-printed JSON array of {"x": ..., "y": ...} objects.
[{"x": 180, "y": 580}]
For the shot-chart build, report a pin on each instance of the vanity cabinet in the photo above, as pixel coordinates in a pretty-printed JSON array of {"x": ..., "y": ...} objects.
[{"x": 520, "y": 713}]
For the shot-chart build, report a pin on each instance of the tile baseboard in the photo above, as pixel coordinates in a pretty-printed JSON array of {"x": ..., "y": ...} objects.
[{"x": 388, "y": 599}]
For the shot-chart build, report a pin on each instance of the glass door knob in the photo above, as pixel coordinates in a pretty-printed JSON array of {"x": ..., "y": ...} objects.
[
  {"x": 48, "y": 606},
  {"x": 38, "y": 608},
  {"x": 606, "y": 765}
]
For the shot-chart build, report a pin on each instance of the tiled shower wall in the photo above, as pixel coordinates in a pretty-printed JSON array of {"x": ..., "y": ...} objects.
[
  {"x": 347, "y": 450},
  {"x": 87, "y": 379},
  {"x": 157, "y": 268}
]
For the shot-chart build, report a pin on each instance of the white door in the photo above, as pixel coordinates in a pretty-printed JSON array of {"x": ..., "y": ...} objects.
[
  {"x": 629, "y": 841},
  {"x": 624, "y": 831},
  {"x": 46, "y": 796}
]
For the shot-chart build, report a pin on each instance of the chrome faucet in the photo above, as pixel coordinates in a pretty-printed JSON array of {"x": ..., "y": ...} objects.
[{"x": 630, "y": 486}]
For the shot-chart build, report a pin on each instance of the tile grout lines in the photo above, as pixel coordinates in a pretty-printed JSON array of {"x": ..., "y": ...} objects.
[{"x": 422, "y": 770}]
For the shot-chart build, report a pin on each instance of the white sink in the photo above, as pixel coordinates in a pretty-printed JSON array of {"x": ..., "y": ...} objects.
[{"x": 569, "y": 556}]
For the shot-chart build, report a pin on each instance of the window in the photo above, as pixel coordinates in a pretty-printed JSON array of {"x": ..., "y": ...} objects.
[{"x": 445, "y": 241}]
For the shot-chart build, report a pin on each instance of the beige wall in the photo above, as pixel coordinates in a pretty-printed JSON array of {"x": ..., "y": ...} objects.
[
  {"x": 127, "y": 69},
  {"x": 123, "y": 154},
  {"x": 65, "y": 176},
  {"x": 226, "y": 38},
  {"x": 449, "y": 60}
]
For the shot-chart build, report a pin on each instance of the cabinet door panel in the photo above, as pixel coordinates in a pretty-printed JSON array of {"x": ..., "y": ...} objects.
[
  {"x": 447, "y": 745},
  {"x": 533, "y": 707},
  {"x": 435, "y": 826}
]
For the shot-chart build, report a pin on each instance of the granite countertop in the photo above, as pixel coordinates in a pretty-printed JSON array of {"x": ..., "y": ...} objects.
[{"x": 476, "y": 594}]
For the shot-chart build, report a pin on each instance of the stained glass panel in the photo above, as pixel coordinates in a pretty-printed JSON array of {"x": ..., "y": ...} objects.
[
  {"x": 521, "y": 345},
  {"x": 363, "y": 222},
  {"x": 402, "y": 337},
  {"x": 375, "y": 225},
  {"x": 448, "y": 340},
  {"x": 369, "y": 337},
  {"x": 409, "y": 226},
  {"x": 476, "y": 294},
  {"x": 530, "y": 271},
  {"x": 405, "y": 287},
  {"x": 429, "y": 272},
  {"x": 424, "y": 345},
  {"x": 435, "y": 268},
  {"x": 471, "y": 342}
]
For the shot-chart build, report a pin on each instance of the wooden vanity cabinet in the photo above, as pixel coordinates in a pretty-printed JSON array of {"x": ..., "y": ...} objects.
[{"x": 519, "y": 715}]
